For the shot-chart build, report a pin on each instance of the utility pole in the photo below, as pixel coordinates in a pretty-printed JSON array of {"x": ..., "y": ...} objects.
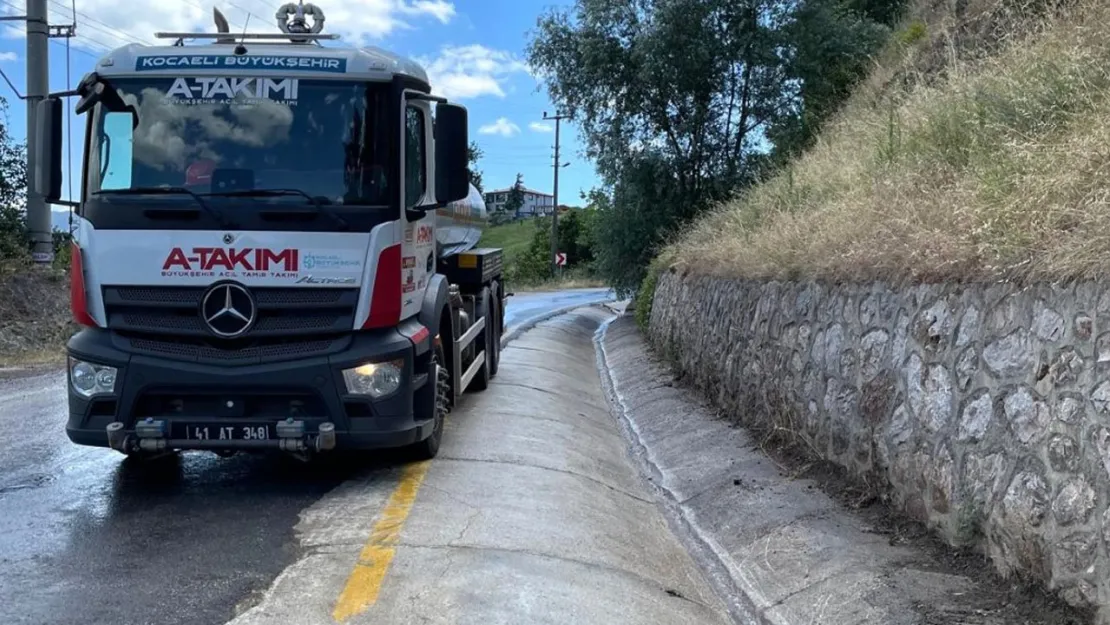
[
  {"x": 555, "y": 209},
  {"x": 38, "y": 86}
]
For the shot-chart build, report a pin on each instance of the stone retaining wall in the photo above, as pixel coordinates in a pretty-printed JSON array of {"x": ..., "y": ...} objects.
[{"x": 983, "y": 409}]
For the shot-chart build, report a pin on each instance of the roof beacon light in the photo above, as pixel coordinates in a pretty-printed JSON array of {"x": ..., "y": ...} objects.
[
  {"x": 296, "y": 24},
  {"x": 291, "y": 19}
]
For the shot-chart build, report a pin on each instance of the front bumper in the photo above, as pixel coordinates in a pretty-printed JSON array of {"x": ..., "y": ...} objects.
[{"x": 302, "y": 404}]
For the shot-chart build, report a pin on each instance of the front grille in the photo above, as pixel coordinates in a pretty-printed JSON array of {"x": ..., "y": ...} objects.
[
  {"x": 248, "y": 403},
  {"x": 291, "y": 323},
  {"x": 259, "y": 351}
]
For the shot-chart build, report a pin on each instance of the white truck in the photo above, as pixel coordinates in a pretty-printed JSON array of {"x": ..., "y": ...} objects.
[{"x": 274, "y": 247}]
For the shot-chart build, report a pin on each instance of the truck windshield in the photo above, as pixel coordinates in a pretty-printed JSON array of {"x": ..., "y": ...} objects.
[{"x": 221, "y": 134}]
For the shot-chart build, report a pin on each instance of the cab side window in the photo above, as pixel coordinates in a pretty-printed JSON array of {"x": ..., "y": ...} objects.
[{"x": 415, "y": 156}]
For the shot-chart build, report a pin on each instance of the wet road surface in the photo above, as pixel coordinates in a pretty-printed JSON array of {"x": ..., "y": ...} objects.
[
  {"x": 87, "y": 538},
  {"x": 527, "y": 305}
]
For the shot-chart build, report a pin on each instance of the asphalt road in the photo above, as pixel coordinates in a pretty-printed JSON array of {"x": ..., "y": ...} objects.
[
  {"x": 524, "y": 305},
  {"x": 86, "y": 538}
]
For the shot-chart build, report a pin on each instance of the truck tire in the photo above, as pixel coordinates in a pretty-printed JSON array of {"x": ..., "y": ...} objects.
[
  {"x": 497, "y": 317},
  {"x": 481, "y": 381},
  {"x": 441, "y": 377}
]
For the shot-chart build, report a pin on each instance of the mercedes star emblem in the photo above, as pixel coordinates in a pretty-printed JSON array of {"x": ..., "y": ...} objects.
[
  {"x": 229, "y": 239},
  {"x": 228, "y": 310}
]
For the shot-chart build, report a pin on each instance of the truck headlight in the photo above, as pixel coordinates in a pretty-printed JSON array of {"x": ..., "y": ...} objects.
[
  {"x": 88, "y": 379},
  {"x": 376, "y": 379}
]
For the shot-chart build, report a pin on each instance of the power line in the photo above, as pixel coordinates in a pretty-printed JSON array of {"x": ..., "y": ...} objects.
[
  {"x": 100, "y": 26},
  {"x": 53, "y": 41},
  {"x": 7, "y": 80},
  {"x": 20, "y": 31}
]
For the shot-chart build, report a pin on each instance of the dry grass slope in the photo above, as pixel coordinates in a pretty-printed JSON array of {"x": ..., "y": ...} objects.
[
  {"x": 34, "y": 316},
  {"x": 978, "y": 149}
]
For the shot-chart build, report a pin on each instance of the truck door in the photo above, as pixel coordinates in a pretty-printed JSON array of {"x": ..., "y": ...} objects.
[{"x": 419, "y": 241}]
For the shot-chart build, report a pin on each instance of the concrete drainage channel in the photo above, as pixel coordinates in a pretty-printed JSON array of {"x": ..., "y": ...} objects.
[
  {"x": 714, "y": 561},
  {"x": 705, "y": 551},
  {"x": 703, "y": 548}
]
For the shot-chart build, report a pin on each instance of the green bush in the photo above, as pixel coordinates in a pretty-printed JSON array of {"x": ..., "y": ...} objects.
[
  {"x": 576, "y": 239},
  {"x": 913, "y": 32},
  {"x": 15, "y": 241},
  {"x": 14, "y": 237},
  {"x": 645, "y": 296}
]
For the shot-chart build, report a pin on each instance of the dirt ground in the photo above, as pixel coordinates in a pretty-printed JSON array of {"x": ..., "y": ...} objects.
[{"x": 34, "y": 318}]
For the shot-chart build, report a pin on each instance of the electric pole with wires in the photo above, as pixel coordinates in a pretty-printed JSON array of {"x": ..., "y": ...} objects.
[
  {"x": 557, "y": 117},
  {"x": 39, "y": 33},
  {"x": 38, "y": 86}
]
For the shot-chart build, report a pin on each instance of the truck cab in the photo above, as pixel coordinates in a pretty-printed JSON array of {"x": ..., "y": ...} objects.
[{"x": 255, "y": 262}]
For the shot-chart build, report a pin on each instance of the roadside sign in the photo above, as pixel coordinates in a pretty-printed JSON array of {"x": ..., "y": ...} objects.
[{"x": 561, "y": 259}]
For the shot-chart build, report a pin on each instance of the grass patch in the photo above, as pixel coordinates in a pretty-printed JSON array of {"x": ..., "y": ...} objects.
[
  {"x": 526, "y": 249},
  {"x": 988, "y": 163},
  {"x": 514, "y": 238},
  {"x": 574, "y": 278},
  {"x": 561, "y": 284}
]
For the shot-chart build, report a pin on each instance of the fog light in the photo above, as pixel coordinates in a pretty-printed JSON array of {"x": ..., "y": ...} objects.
[
  {"x": 88, "y": 379},
  {"x": 376, "y": 379}
]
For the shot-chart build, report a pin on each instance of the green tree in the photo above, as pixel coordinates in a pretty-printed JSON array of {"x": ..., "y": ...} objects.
[
  {"x": 675, "y": 100},
  {"x": 678, "y": 88},
  {"x": 14, "y": 236},
  {"x": 15, "y": 240},
  {"x": 831, "y": 45},
  {"x": 515, "y": 200},
  {"x": 473, "y": 154},
  {"x": 508, "y": 211}
]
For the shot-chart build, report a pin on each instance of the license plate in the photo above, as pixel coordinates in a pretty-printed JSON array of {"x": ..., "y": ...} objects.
[{"x": 225, "y": 432}]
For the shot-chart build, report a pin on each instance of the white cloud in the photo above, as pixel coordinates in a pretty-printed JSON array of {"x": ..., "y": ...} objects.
[
  {"x": 439, "y": 9},
  {"x": 8, "y": 56},
  {"x": 541, "y": 127},
  {"x": 106, "y": 24},
  {"x": 502, "y": 127},
  {"x": 461, "y": 72}
]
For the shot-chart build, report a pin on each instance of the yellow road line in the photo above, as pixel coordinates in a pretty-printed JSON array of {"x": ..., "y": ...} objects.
[{"x": 365, "y": 581}]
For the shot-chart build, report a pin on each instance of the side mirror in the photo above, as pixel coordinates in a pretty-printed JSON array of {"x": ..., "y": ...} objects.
[
  {"x": 48, "y": 135},
  {"x": 90, "y": 95},
  {"x": 95, "y": 91},
  {"x": 452, "y": 180}
]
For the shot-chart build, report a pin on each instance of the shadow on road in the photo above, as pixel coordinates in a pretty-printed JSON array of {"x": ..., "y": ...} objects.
[{"x": 257, "y": 476}]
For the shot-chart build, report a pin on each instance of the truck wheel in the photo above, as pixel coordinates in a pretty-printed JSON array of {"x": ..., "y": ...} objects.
[
  {"x": 481, "y": 381},
  {"x": 496, "y": 318},
  {"x": 429, "y": 447}
]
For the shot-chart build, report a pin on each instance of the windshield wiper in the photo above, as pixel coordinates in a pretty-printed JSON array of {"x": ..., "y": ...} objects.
[
  {"x": 170, "y": 191},
  {"x": 317, "y": 202}
]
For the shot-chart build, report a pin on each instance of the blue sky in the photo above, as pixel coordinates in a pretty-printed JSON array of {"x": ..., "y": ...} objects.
[{"x": 473, "y": 51}]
